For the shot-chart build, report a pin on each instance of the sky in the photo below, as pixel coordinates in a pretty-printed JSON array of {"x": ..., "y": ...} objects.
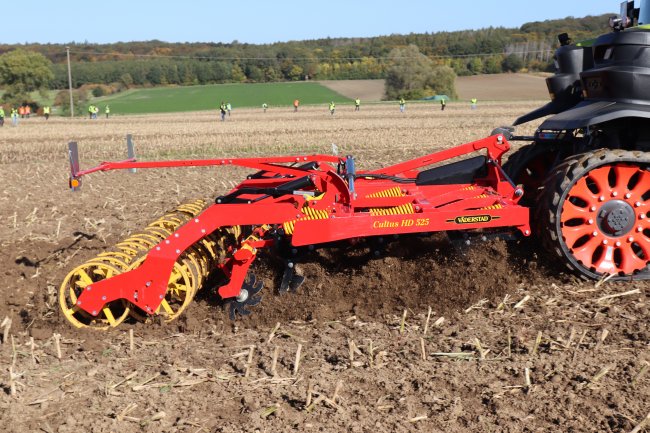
[{"x": 256, "y": 21}]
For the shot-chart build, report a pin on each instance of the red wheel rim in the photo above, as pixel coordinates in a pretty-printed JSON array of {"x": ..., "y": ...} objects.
[{"x": 604, "y": 221}]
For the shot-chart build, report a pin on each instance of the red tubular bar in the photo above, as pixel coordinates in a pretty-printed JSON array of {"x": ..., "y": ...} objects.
[
  {"x": 495, "y": 145},
  {"x": 269, "y": 164}
]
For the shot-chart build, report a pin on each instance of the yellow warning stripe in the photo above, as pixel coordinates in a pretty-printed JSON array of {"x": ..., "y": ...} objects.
[
  {"x": 310, "y": 214},
  {"x": 494, "y": 206},
  {"x": 315, "y": 214},
  {"x": 397, "y": 210},
  {"x": 391, "y": 192}
]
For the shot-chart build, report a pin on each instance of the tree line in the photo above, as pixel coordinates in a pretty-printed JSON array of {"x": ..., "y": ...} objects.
[
  {"x": 155, "y": 63},
  {"x": 466, "y": 52}
]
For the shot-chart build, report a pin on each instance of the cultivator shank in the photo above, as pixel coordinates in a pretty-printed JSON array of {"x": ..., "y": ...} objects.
[{"x": 296, "y": 200}]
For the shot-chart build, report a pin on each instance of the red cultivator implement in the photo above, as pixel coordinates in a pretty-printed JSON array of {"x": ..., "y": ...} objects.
[{"x": 290, "y": 200}]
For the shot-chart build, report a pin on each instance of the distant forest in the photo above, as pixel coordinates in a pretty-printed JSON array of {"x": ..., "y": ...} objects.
[{"x": 154, "y": 63}]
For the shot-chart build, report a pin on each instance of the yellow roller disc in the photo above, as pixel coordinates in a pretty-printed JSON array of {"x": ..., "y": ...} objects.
[
  {"x": 210, "y": 247},
  {"x": 180, "y": 292},
  {"x": 117, "y": 262},
  {"x": 197, "y": 205},
  {"x": 118, "y": 256},
  {"x": 132, "y": 252},
  {"x": 169, "y": 222},
  {"x": 145, "y": 239},
  {"x": 158, "y": 232},
  {"x": 191, "y": 209},
  {"x": 198, "y": 265},
  {"x": 200, "y": 256},
  {"x": 185, "y": 212},
  {"x": 136, "y": 245},
  {"x": 147, "y": 236},
  {"x": 224, "y": 239},
  {"x": 191, "y": 262},
  {"x": 75, "y": 282}
]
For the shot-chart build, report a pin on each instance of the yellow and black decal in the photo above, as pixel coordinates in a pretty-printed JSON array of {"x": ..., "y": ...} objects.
[
  {"x": 309, "y": 214},
  {"x": 473, "y": 219}
]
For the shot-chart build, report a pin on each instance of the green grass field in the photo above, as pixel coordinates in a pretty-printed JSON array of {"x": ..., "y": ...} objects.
[
  {"x": 45, "y": 97},
  {"x": 193, "y": 98}
]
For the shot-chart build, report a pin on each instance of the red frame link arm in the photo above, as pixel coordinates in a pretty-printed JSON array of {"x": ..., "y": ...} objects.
[
  {"x": 495, "y": 145},
  {"x": 146, "y": 285}
]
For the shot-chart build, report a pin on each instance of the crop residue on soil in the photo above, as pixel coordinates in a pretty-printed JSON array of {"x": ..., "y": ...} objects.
[{"x": 419, "y": 337}]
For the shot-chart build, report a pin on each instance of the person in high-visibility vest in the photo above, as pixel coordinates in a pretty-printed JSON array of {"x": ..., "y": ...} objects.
[
  {"x": 332, "y": 107},
  {"x": 473, "y": 102},
  {"x": 46, "y": 112},
  {"x": 222, "y": 110},
  {"x": 107, "y": 110},
  {"x": 91, "y": 110},
  {"x": 264, "y": 106},
  {"x": 295, "y": 105},
  {"x": 228, "y": 108},
  {"x": 28, "y": 110},
  {"x": 21, "y": 112},
  {"x": 402, "y": 105},
  {"x": 357, "y": 104},
  {"x": 14, "y": 117},
  {"x": 2, "y": 116},
  {"x": 443, "y": 104}
]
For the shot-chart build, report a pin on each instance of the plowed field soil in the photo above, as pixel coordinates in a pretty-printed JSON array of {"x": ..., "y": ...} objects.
[{"x": 413, "y": 335}]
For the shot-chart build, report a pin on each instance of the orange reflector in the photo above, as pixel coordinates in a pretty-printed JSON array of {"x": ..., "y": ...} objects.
[{"x": 74, "y": 183}]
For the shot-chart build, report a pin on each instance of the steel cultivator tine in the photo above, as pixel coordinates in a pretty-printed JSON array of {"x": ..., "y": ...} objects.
[{"x": 290, "y": 280}]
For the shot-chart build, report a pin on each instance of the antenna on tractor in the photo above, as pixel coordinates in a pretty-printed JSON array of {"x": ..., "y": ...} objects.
[
  {"x": 626, "y": 18},
  {"x": 643, "y": 13}
]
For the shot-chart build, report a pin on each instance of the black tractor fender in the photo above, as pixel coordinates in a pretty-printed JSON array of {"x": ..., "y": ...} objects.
[
  {"x": 590, "y": 113},
  {"x": 553, "y": 107}
]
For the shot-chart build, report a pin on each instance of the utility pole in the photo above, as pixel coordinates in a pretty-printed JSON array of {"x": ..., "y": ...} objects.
[{"x": 67, "y": 51}]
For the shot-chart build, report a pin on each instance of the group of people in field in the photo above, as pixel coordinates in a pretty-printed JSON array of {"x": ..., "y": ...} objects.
[
  {"x": 25, "y": 111},
  {"x": 225, "y": 108},
  {"x": 22, "y": 112},
  {"x": 93, "y": 111}
]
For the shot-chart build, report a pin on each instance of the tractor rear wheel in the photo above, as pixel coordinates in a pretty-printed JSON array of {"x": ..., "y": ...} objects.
[
  {"x": 593, "y": 213},
  {"x": 529, "y": 166}
]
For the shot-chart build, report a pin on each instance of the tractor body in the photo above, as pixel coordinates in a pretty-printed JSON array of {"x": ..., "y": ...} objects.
[{"x": 586, "y": 171}]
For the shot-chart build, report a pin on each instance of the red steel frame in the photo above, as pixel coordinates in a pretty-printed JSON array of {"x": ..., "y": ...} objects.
[{"x": 490, "y": 202}]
